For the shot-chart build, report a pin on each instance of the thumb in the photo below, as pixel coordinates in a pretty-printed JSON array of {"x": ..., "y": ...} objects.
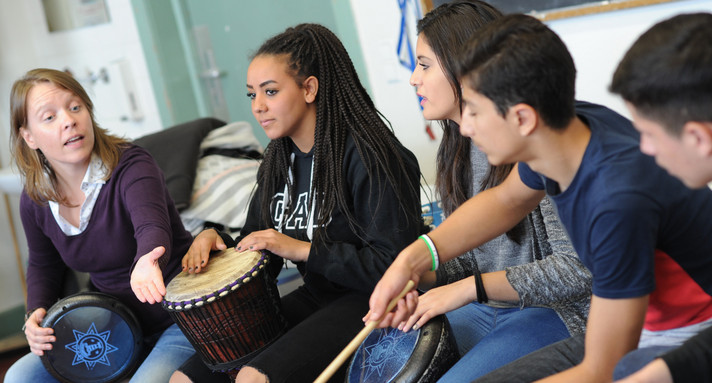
[
  {"x": 156, "y": 253},
  {"x": 220, "y": 244},
  {"x": 376, "y": 307},
  {"x": 40, "y": 314}
]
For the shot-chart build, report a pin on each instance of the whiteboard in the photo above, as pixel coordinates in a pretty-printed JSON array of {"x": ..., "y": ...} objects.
[{"x": 557, "y": 9}]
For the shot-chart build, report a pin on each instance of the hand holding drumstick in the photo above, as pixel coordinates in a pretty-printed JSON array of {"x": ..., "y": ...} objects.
[
  {"x": 394, "y": 279},
  {"x": 353, "y": 345}
]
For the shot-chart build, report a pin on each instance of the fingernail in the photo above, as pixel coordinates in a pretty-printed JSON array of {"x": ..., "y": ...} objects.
[
  {"x": 251, "y": 247},
  {"x": 202, "y": 262},
  {"x": 415, "y": 326},
  {"x": 239, "y": 247}
]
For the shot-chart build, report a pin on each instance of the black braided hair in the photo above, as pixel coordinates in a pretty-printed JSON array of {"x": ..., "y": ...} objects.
[{"x": 342, "y": 107}]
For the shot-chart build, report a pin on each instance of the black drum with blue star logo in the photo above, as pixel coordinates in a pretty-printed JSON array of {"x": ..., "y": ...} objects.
[
  {"x": 99, "y": 339},
  {"x": 391, "y": 355}
]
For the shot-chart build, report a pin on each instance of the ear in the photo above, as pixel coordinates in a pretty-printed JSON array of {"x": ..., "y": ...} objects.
[
  {"x": 311, "y": 87},
  {"x": 524, "y": 117},
  {"x": 27, "y": 136},
  {"x": 698, "y": 135}
]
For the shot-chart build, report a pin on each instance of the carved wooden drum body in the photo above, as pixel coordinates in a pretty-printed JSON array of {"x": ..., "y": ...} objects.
[{"x": 230, "y": 311}]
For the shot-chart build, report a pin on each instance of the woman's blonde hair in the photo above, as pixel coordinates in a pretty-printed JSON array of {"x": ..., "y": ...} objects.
[{"x": 39, "y": 177}]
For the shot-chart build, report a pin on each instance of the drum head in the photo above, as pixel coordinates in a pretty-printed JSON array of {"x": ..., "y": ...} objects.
[
  {"x": 391, "y": 355},
  {"x": 226, "y": 271},
  {"x": 382, "y": 355},
  {"x": 98, "y": 339}
]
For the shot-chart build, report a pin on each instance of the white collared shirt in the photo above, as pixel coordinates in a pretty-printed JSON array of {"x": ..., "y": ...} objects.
[{"x": 91, "y": 185}]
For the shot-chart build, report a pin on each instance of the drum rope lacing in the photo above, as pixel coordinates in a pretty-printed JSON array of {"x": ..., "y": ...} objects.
[{"x": 187, "y": 305}]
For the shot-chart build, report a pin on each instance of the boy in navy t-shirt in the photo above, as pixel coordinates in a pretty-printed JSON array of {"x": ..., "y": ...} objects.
[
  {"x": 666, "y": 80},
  {"x": 641, "y": 232}
]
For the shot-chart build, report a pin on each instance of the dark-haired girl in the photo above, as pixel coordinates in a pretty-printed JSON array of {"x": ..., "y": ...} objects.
[
  {"x": 537, "y": 290},
  {"x": 337, "y": 194}
]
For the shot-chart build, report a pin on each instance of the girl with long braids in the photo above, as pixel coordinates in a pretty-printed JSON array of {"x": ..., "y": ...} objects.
[
  {"x": 337, "y": 194},
  {"x": 534, "y": 290}
]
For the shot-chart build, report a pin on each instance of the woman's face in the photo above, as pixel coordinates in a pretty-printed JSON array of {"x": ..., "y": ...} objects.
[
  {"x": 59, "y": 125},
  {"x": 281, "y": 106},
  {"x": 438, "y": 98}
]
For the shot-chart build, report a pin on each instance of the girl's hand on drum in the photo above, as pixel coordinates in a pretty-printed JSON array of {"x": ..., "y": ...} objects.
[
  {"x": 199, "y": 251},
  {"x": 147, "y": 279},
  {"x": 277, "y": 243},
  {"x": 439, "y": 301},
  {"x": 38, "y": 338}
]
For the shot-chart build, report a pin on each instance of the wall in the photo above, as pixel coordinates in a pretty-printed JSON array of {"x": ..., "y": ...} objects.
[
  {"x": 229, "y": 32},
  {"x": 15, "y": 54},
  {"x": 388, "y": 79},
  {"x": 25, "y": 43},
  {"x": 165, "y": 55},
  {"x": 598, "y": 42}
]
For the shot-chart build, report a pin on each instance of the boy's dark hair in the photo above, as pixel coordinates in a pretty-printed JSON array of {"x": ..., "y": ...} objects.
[
  {"x": 517, "y": 59},
  {"x": 667, "y": 73}
]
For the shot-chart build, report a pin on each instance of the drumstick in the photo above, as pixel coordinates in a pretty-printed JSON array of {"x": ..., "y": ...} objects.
[{"x": 356, "y": 341}]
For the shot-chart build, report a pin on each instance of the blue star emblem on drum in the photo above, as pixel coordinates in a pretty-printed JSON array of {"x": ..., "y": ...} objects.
[
  {"x": 387, "y": 355},
  {"x": 390, "y": 355},
  {"x": 91, "y": 347}
]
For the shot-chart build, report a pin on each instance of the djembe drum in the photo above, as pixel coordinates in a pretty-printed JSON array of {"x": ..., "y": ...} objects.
[
  {"x": 391, "y": 355},
  {"x": 99, "y": 339},
  {"x": 230, "y": 311}
]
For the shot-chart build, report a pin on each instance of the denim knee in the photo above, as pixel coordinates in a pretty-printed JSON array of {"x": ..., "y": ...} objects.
[{"x": 29, "y": 368}]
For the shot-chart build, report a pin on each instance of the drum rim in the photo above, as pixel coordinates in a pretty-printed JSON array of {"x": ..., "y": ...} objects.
[
  {"x": 105, "y": 301},
  {"x": 421, "y": 363},
  {"x": 219, "y": 293}
]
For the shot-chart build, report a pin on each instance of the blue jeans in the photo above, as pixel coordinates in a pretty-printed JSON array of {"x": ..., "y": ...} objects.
[
  {"x": 169, "y": 352},
  {"x": 488, "y": 338}
]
